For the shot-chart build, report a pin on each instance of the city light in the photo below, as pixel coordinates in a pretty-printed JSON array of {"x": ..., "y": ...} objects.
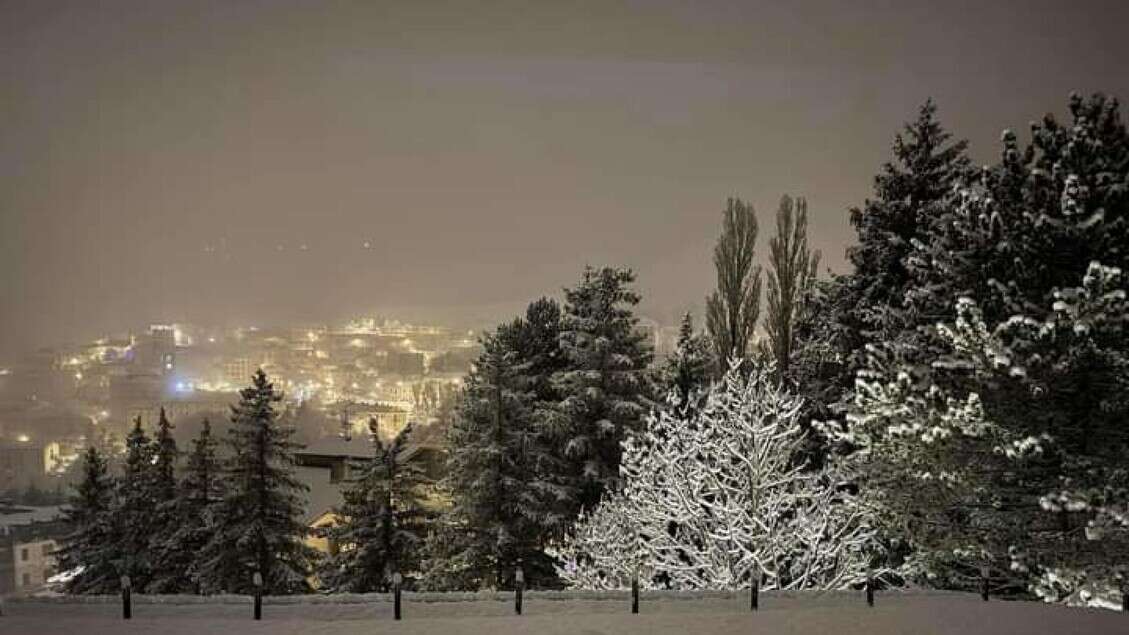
[{"x": 23, "y": 438}]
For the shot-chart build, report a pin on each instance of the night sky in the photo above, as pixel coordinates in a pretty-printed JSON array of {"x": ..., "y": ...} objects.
[{"x": 227, "y": 162}]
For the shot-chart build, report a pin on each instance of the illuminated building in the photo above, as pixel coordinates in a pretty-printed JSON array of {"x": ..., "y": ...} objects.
[
  {"x": 156, "y": 350},
  {"x": 24, "y": 464},
  {"x": 238, "y": 371},
  {"x": 28, "y": 539}
]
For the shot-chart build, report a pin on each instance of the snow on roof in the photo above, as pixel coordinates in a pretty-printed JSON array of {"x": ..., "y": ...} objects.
[
  {"x": 26, "y": 515},
  {"x": 323, "y": 495},
  {"x": 357, "y": 447}
]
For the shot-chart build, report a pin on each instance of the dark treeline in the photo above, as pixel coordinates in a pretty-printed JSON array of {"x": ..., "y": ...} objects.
[{"x": 971, "y": 374}]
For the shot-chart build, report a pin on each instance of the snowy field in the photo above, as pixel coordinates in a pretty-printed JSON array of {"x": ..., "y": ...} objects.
[{"x": 837, "y": 614}]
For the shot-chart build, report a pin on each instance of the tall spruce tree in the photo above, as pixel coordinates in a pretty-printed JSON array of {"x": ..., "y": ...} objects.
[
  {"x": 910, "y": 194},
  {"x": 163, "y": 491},
  {"x": 503, "y": 495},
  {"x": 258, "y": 523},
  {"x": 133, "y": 513},
  {"x": 791, "y": 277},
  {"x": 686, "y": 373},
  {"x": 874, "y": 304},
  {"x": 732, "y": 310},
  {"x": 383, "y": 521},
  {"x": 606, "y": 388},
  {"x": 177, "y": 556},
  {"x": 87, "y": 551},
  {"x": 535, "y": 338}
]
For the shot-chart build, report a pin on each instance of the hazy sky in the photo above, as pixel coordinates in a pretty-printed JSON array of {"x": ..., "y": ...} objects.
[{"x": 165, "y": 161}]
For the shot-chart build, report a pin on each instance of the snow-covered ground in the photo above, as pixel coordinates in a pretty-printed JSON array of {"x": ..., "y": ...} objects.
[{"x": 780, "y": 614}]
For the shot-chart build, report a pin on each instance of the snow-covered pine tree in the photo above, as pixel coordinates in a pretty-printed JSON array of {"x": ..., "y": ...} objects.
[
  {"x": 500, "y": 479},
  {"x": 165, "y": 456},
  {"x": 977, "y": 462},
  {"x": 732, "y": 310},
  {"x": 1015, "y": 244},
  {"x": 164, "y": 521},
  {"x": 606, "y": 388},
  {"x": 1032, "y": 223},
  {"x": 382, "y": 520},
  {"x": 133, "y": 513},
  {"x": 710, "y": 497},
  {"x": 820, "y": 361},
  {"x": 870, "y": 305},
  {"x": 548, "y": 509},
  {"x": 791, "y": 277},
  {"x": 258, "y": 522},
  {"x": 535, "y": 338},
  {"x": 686, "y": 372},
  {"x": 87, "y": 553},
  {"x": 910, "y": 194},
  {"x": 177, "y": 556}
]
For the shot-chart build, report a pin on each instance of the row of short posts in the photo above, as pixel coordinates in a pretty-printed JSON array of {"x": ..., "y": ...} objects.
[{"x": 519, "y": 590}]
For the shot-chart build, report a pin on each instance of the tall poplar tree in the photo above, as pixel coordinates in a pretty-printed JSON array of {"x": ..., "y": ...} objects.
[
  {"x": 732, "y": 310},
  {"x": 791, "y": 276}
]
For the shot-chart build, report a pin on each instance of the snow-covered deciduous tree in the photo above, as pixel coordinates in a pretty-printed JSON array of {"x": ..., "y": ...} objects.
[
  {"x": 714, "y": 497},
  {"x": 605, "y": 550}
]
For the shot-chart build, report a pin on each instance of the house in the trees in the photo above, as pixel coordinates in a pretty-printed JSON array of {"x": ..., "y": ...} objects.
[
  {"x": 28, "y": 540},
  {"x": 325, "y": 467}
]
